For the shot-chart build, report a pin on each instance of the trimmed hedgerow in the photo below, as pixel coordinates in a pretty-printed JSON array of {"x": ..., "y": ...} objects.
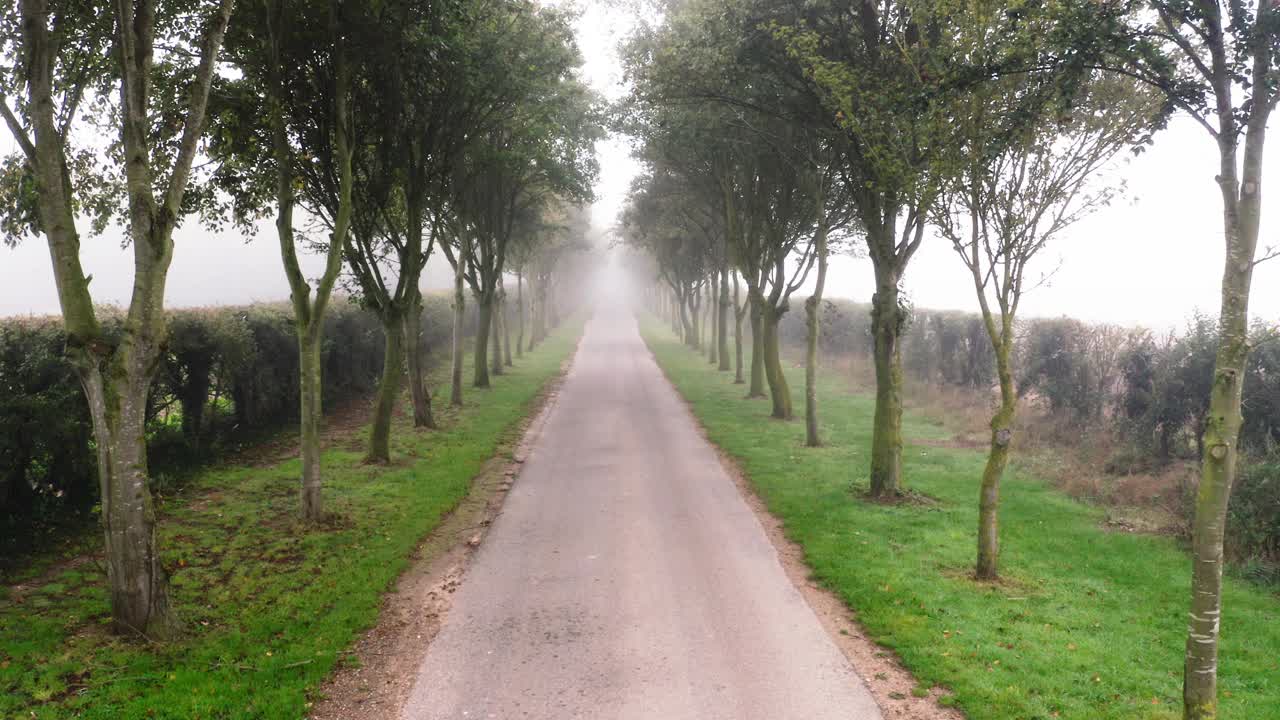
[{"x": 227, "y": 374}]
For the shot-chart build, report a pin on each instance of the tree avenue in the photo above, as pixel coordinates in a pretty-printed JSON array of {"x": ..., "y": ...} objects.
[
  {"x": 370, "y": 119},
  {"x": 771, "y": 135},
  {"x": 990, "y": 126}
]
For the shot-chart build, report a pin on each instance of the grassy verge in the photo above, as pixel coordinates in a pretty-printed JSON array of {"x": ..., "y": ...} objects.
[
  {"x": 269, "y": 604},
  {"x": 1088, "y": 624}
]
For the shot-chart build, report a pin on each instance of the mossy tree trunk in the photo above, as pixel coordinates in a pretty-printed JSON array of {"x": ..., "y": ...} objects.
[
  {"x": 116, "y": 374},
  {"x": 988, "y": 566},
  {"x": 813, "y": 319},
  {"x": 506, "y": 331},
  {"x": 695, "y": 318},
  {"x": 779, "y": 390},
  {"x": 713, "y": 304},
  {"x": 495, "y": 336},
  {"x": 138, "y": 584},
  {"x": 484, "y": 327},
  {"x": 459, "y": 318},
  {"x": 722, "y": 320},
  {"x": 539, "y": 332},
  {"x": 384, "y": 403},
  {"x": 886, "y": 435},
  {"x": 756, "y": 388},
  {"x": 311, "y": 393},
  {"x": 520, "y": 312},
  {"x": 1241, "y": 188},
  {"x": 421, "y": 394},
  {"x": 686, "y": 324}
]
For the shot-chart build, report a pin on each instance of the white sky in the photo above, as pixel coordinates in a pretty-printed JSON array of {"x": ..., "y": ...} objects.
[{"x": 1151, "y": 258}]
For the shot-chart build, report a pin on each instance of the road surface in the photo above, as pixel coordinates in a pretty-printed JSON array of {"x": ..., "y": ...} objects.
[{"x": 626, "y": 578}]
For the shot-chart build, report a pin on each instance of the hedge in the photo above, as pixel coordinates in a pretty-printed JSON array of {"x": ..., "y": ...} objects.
[
  {"x": 1149, "y": 390},
  {"x": 228, "y": 374}
]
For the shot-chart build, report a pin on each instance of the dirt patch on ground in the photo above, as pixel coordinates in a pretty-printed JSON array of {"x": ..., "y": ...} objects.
[
  {"x": 957, "y": 442},
  {"x": 376, "y": 674},
  {"x": 343, "y": 422}
]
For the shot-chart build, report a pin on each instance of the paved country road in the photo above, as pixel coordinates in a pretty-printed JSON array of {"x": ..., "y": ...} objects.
[{"x": 627, "y": 579}]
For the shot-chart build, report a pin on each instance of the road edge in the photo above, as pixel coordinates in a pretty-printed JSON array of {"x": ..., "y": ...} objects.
[
  {"x": 375, "y": 675},
  {"x": 890, "y": 683}
]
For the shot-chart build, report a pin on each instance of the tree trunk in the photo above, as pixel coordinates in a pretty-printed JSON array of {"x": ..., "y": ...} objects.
[
  {"x": 139, "y": 586},
  {"x": 722, "y": 308},
  {"x": 520, "y": 311},
  {"x": 506, "y": 333},
  {"x": 813, "y": 323},
  {"x": 422, "y": 414},
  {"x": 1241, "y": 216},
  {"x": 886, "y": 434},
  {"x": 534, "y": 305},
  {"x": 495, "y": 337},
  {"x": 116, "y": 378},
  {"x": 988, "y": 567},
  {"x": 310, "y": 397},
  {"x": 686, "y": 325},
  {"x": 193, "y": 395},
  {"x": 694, "y": 338},
  {"x": 713, "y": 302},
  {"x": 539, "y": 314},
  {"x": 779, "y": 391},
  {"x": 484, "y": 319},
  {"x": 756, "y": 389},
  {"x": 459, "y": 317},
  {"x": 384, "y": 403}
]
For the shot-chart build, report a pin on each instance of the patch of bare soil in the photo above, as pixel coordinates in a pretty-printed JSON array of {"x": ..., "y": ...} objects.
[
  {"x": 18, "y": 591},
  {"x": 956, "y": 442},
  {"x": 344, "y": 421},
  {"x": 379, "y": 670},
  {"x": 908, "y": 497}
]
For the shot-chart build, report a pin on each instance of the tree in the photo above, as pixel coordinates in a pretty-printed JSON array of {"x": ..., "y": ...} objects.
[
  {"x": 299, "y": 67},
  {"x": 159, "y": 112},
  {"x": 875, "y": 68},
  {"x": 713, "y": 104},
  {"x": 659, "y": 221},
  {"x": 1027, "y": 168},
  {"x": 531, "y": 142},
  {"x": 1217, "y": 63}
]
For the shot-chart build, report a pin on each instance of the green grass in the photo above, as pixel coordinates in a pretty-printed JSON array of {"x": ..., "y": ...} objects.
[
  {"x": 268, "y": 604},
  {"x": 1088, "y": 624}
]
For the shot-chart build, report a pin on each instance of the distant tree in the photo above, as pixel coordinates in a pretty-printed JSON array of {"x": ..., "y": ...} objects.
[
  {"x": 710, "y": 106},
  {"x": 658, "y": 221},
  {"x": 532, "y": 142}
]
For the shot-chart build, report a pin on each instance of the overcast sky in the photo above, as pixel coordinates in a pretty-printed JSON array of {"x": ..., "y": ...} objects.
[{"x": 1152, "y": 258}]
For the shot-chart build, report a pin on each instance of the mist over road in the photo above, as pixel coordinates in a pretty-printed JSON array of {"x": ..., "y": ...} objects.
[{"x": 626, "y": 578}]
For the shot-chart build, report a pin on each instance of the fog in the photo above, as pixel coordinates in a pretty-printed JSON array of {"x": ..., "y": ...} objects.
[{"x": 1152, "y": 258}]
